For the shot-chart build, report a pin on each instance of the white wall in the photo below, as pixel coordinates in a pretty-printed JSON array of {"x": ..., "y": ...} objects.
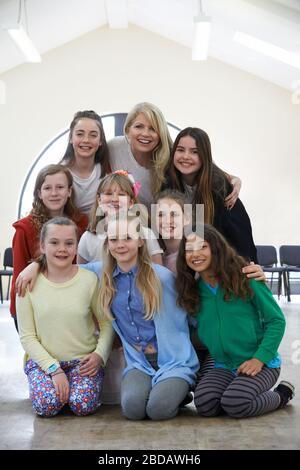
[{"x": 253, "y": 125}]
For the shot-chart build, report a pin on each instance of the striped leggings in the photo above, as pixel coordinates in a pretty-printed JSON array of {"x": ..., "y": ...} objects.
[
  {"x": 206, "y": 363},
  {"x": 239, "y": 396}
]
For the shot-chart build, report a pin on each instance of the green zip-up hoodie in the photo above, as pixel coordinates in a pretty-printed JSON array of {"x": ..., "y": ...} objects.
[{"x": 235, "y": 331}]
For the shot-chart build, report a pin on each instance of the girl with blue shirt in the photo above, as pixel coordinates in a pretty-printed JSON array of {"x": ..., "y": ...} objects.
[
  {"x": 239, "y": 322},
  {"x": 140, "y": 299},
  {"x": 117, "y": 192}
]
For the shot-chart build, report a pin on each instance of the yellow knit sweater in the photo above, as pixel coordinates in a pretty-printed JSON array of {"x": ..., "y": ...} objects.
[{"x": 56, "y": 321}]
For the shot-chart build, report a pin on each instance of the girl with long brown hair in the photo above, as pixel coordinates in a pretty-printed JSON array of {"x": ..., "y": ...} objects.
[
  {"x": 86, "y": 157},
  {"x": 52, "y": 196},
  {"x": 192, "y": 171},
  {"x": 239, "y": 322},
  {"x": 172, "y": 218}
]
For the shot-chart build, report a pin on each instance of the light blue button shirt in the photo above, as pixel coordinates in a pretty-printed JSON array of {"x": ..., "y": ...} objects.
[
  {"x": 176, "y": 355},
  {"x": 128, "y": 309}
]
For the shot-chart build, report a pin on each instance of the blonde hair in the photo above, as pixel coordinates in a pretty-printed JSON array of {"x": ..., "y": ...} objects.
[
  {"x": 161, "y": 153},
  {"x": 147, "y": 280},
  {"x": 124, "y": 184}
]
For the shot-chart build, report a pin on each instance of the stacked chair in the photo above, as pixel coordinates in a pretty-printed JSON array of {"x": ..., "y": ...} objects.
[
  {"x": 6, "y": 271},
  {"x": 267, "y": 258},
  {"x": 290, "y": 261}
]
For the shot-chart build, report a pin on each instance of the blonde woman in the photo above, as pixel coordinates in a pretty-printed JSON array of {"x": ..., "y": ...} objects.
[
  {"x": 140, "y": 299},
  {"x": 145, "y": 149}
]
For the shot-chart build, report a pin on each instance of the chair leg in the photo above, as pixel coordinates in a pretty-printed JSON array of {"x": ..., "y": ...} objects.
[
  {"x": 1, "y": 291},
  {"x": 284, "y": 283},
  {"x": 271, "y": 281},
  {"x": 288, "y": 285},
  {"x": 8, "y": 288}
]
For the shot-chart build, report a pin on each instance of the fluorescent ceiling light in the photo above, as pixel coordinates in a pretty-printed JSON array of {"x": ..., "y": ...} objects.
[
  {"x": 268, "y": 49},
  {"x": 24, "y": 43},
  {"x": 202, "y": 29}
]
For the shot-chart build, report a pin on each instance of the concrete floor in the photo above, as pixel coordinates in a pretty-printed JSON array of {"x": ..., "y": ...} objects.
[{"x": 20, "y": 428}]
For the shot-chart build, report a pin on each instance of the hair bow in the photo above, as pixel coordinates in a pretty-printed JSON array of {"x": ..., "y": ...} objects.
[{"x": 136, "y": 185}]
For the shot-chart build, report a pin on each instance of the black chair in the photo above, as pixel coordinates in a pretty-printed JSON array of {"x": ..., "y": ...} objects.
[
  {"x": 7, "y": 263},
  {"x": 267, "y": 258},
  {"x": 290, "y": 260}
]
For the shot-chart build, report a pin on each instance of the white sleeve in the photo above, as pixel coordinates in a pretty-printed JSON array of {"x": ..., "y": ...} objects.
[
  {"x": 151, "y": 241},
  {"x": 83, "y": 245}
]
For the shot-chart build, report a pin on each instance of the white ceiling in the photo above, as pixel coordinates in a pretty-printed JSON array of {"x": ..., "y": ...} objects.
[{"x": 52, "y": 23}]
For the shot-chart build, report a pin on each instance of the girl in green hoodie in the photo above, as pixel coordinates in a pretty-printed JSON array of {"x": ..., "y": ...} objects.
[{"x": 239, "y": 322}]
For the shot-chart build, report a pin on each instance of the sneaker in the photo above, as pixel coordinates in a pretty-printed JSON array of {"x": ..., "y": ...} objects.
[
  {"x": 286, "y": 391},
  {"x": 188, "y": 399}
]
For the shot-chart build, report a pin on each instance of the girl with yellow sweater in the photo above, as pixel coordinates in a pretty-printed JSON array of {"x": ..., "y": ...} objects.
[{"x": 64, "y": 359}]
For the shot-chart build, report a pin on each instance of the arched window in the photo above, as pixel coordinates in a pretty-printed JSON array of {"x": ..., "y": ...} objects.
[{"x": 52, "y": 153}]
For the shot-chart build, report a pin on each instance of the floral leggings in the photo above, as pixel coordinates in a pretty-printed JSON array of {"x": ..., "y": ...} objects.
[{"x": 84, "y": 397}]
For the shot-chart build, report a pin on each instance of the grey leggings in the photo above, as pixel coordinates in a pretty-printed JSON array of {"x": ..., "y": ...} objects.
[
  {"x": 238, "y": 396},
  {"x": 139, "y": 399}
]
